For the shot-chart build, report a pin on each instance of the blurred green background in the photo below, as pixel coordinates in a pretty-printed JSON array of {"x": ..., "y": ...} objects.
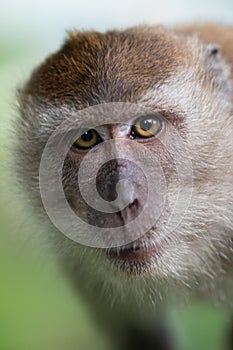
[{"x": 38, "y": 310}]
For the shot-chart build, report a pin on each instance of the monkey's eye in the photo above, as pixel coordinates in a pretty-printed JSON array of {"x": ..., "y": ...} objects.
[
  {"x": 147, "y": 126},
  {"x": 88, "y": 139}
]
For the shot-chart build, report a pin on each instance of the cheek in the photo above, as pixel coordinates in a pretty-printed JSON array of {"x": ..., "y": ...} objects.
[
  {"x": 71, "y": 186},
  {"x": 164, "y": 159}
]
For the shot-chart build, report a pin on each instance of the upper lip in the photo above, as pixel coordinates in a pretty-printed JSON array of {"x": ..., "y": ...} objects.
[{"x": 142, "y": 245}]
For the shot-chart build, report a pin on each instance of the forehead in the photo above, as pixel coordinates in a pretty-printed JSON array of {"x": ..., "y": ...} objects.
[{"x": 93, "y": 68}]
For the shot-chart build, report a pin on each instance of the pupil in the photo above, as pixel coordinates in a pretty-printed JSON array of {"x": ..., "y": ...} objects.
[
  {"x": 87, "y": 136},
  {"x": 146, "y": 124}
]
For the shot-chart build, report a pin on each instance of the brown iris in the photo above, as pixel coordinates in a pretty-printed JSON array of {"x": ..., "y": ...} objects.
[
  {"x": 88, "y": 139},
  {"x": 147, "y": 126}
]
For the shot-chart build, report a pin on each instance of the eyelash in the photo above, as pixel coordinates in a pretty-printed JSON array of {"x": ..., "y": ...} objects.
[{"x": 156, "y": 117}]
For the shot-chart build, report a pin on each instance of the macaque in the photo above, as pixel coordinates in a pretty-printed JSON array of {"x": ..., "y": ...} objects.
[{"x": 151, "y": 109}]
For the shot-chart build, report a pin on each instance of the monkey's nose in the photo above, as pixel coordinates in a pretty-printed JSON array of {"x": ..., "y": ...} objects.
[
  {"x": 127, "y": 204},
  {"x": 124, "y": 186}
]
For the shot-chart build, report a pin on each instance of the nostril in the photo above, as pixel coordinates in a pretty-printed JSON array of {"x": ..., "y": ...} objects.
[
  {"x": 134, "y": 204},
  {"x": 131, "y": 211}
]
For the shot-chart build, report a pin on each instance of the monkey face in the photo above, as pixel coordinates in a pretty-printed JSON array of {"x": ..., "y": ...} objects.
[
  {"x": 122, "y": 182},
  {"x": 184, "y": 90}
]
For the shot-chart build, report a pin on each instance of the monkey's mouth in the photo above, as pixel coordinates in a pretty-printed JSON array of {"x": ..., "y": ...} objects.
[
  {"x": 137, "y": 257},
  {"x": 130, "y": 249}
]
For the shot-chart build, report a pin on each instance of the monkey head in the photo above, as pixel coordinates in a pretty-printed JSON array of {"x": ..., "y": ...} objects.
[{"x": 140, "y": 122}]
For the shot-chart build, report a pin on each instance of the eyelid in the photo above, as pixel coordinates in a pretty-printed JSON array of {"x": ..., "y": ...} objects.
[{"x": 151, "y": 115}]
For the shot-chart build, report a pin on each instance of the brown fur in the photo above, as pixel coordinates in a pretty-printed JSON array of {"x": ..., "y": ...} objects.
[{"x": 116, "y": 66}]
